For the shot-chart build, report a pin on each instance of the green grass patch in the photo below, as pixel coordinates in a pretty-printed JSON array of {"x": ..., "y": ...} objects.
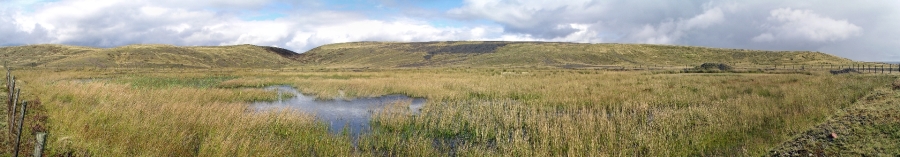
[{"x": 169, "y": 82}]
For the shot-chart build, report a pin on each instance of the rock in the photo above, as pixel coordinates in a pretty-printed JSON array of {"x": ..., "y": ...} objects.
[
  {"x": 844, "y": 71},
  {"x": 717, "y": 66}
]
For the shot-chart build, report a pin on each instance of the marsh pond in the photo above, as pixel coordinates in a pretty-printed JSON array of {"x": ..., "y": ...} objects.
[{"x": 354, "y": 114}]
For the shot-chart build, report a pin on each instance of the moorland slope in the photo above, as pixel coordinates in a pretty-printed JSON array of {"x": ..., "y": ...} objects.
[
  {"x": 402, "y": 55},
  {"x": 544, "y": 54},
  {"x": 147, "y": 56}
]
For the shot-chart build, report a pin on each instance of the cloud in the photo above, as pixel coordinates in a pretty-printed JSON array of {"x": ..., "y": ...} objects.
[
  {"x": 376, "y": 30},
  {"x": 864, "y": 30},
  {"x": 661, "y": 22},
  {"x": 117, "y": 23},
  {"x": 543, "y": 19},
  {"x": 794, "y": 24},
  {"x": 670, "y": 31},
  {"x": 832, "y": 26},
  {"x": 20, "y": 32}
]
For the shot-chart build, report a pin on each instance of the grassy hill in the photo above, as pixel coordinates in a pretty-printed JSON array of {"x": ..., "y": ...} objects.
[
  {"x": 401, "y": 55},
  {"x": 142, "y": 56},
  {"x": 544, "y": 54}
]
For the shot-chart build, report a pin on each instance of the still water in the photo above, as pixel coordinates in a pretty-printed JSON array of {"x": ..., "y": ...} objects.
[{"x": 354, "y": 114}]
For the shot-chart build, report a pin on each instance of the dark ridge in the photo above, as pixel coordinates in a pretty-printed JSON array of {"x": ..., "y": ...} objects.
[
  {"x": 467, "y": 48},
  {"x": 282, "y": 52}
]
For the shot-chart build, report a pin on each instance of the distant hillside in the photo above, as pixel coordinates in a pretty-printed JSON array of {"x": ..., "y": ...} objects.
[
  {"x": 147, "y": 56},
  {"x": 399, "y": 55},
  {"x": 543, "y": 54}
]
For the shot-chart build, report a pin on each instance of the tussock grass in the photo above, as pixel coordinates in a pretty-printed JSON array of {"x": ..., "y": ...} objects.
[
  {"x": 107, "y": 118},
  {"x": 871, "y": 127},
  {"x": 471, "y": 112},
  {"x": 604, "y": 113}
]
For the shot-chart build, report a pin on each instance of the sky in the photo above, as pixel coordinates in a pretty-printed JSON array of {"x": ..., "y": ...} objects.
[{"x": 859, "y": 30}]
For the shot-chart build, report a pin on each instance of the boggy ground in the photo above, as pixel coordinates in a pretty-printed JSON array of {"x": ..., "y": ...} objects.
[{"x": 470, "y": 112}]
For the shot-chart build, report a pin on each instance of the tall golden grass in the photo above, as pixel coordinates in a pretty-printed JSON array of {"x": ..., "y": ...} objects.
[
  {"x": 470, "y": 112},
  {"x": 100, "y": 117}
]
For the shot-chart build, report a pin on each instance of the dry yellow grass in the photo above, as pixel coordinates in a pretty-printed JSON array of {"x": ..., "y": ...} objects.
[
  {"x": 471, "y": 112},
  {"x": 100, "y": 117}
]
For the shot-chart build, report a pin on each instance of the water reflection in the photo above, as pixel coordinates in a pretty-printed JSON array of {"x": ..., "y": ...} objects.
[{"x": 338, "y": 114}]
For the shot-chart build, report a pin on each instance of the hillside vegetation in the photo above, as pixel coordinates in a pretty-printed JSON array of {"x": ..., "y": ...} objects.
[
  {"x": 546, "y": 54},
  {"x": 470, "y": 112},
  {"x": 404, "y": 55},
  {"x": 147, "y": 56},
  {"x": 518, "y": 99}
]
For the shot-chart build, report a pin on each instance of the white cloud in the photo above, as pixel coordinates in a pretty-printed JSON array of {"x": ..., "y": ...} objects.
[
  {"x": 534, "y": 17},
  {"x": 765, "y": 37},
  {"x": 670, "y": 31},
  {"x": 523, "y": 13},
  {"x": 116, "y": 23},
  {"x": 397, "y": 30},
  {"x": 584, "y": 34},
  {"x": 709, "y": 17},
  {"x": 791, "y": 24}
]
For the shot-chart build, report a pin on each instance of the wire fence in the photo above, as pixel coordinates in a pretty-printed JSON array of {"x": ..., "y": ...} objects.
[
  {"x": 15, "y": 111},
  {"x": 833, "y": 68}
]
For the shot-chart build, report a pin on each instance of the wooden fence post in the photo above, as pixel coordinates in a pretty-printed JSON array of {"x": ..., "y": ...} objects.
[
  {"x": 15, "y": 101},
  {"x": 19, "y": 133},
  {"x": 11, "y": 84},
  {"x": 12, "y": 111},
  {"x": 39, "y": 144},
  {"x": 9, "y": 96},
  {"x": 8, "y": 90}
]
